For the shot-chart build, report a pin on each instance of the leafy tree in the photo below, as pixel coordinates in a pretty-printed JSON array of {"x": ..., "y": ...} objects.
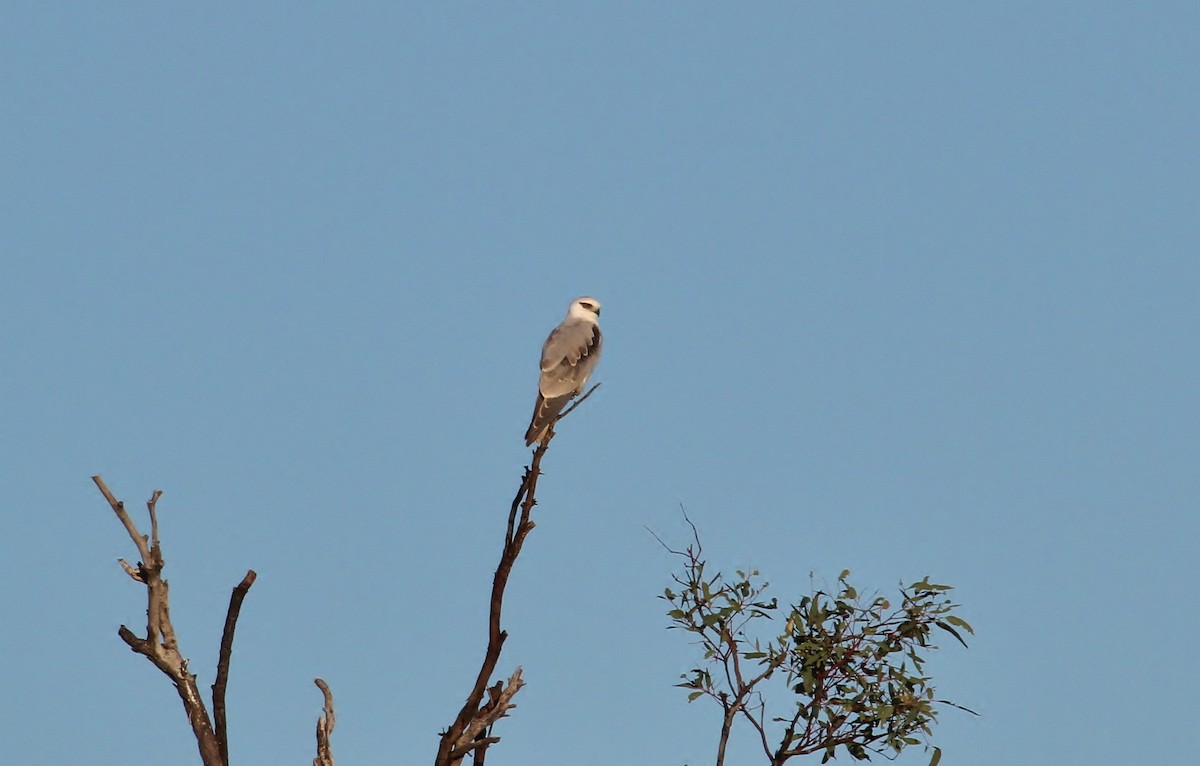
[{"x": 852, "y": 668}]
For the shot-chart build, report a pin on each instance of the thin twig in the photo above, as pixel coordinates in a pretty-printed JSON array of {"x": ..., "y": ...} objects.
[
  {"x": 694, "y": 550},
  {"x": 760, "y": 722},
  {"x": 222, "y": 681},
  {"x": 576, "y": 403},
  {"x": 152, "y": 505},
  {"x": 119, "y": 508}
]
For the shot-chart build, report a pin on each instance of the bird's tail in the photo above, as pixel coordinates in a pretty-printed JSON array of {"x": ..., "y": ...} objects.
[{"x": 545, "y": 412}]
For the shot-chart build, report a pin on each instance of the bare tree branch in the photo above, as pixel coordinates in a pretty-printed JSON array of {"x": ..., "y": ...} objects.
[
  {"x": 136, "y": 575},
  {"x": 152, "y": 507},
  {"x": 499, "y": 703},
  {"x": 219, "y": 686},
  {"x": 470, "y": 731},
  {"x": 160, "y": 645},
  {"x": 325, "y": 726},
  {"x": 119, "y": 508},
  {"x": 456, "y": 742}
]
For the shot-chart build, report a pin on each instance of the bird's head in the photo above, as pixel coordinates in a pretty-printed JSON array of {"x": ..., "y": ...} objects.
[{"x": 585, "y": 307}]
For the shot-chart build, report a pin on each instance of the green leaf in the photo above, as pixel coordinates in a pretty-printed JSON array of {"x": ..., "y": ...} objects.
[
  {"x": 951, "y": 631},
  {"x": 937, "y": 757},
  {"x": 692, "y": 697},
  {"x": 845, "y": 573},
  {"x": 677, "y": 614},
  {"x": 925, "y": 585},
  {"x": 960, "y": 622},
  {"x": 816, "y": 614}
]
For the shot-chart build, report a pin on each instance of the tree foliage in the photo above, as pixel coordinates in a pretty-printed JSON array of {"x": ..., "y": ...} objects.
[{"x": 852, "y": 667}]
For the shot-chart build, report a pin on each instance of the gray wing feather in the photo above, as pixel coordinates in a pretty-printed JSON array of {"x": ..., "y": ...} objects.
[{"x": 568, "y": 358}]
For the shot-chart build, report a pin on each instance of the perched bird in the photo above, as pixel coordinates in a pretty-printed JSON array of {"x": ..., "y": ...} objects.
[{"x": 568, "y": 357}]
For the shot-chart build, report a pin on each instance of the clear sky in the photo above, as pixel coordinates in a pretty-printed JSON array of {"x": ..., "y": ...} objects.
[{"x": 908, "y": 289}]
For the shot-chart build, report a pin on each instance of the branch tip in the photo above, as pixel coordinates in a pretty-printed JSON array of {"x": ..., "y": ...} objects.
[{"x": 325, "y": 724}]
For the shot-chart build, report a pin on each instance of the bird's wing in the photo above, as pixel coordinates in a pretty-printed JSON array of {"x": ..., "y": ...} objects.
[{"x": 568, "y": 358}]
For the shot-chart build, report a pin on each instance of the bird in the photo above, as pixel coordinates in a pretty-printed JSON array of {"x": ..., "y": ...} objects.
[{"x": 569, "y": 355}]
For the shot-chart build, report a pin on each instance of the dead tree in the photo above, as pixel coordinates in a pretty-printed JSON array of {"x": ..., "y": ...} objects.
[
  {"x": 160, "y": 645},
  {"x": 469, "y": 733}
]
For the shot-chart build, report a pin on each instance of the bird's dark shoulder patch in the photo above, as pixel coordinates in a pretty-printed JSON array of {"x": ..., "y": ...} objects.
[{"x": 594, "y": 343}]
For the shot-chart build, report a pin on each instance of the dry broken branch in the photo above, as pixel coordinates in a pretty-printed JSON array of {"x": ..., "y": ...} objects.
[
  {"x": 325, "y": 726},
  {"x": 219, "y": 686},
  {"x": 474, "y": 737},
  {"x": 160, "y": 644}
]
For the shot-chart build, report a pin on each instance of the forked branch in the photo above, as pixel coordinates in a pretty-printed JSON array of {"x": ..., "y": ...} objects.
[
  {"x": 470, "y": 733},
  {"x": 160, "y": 644}
]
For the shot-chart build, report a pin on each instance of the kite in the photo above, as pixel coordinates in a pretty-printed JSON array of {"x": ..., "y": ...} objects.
[{"x": 569, "y": 355}]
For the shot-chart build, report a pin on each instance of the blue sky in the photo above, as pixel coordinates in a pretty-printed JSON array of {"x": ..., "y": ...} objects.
[{"x": 905, "y": 289}]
